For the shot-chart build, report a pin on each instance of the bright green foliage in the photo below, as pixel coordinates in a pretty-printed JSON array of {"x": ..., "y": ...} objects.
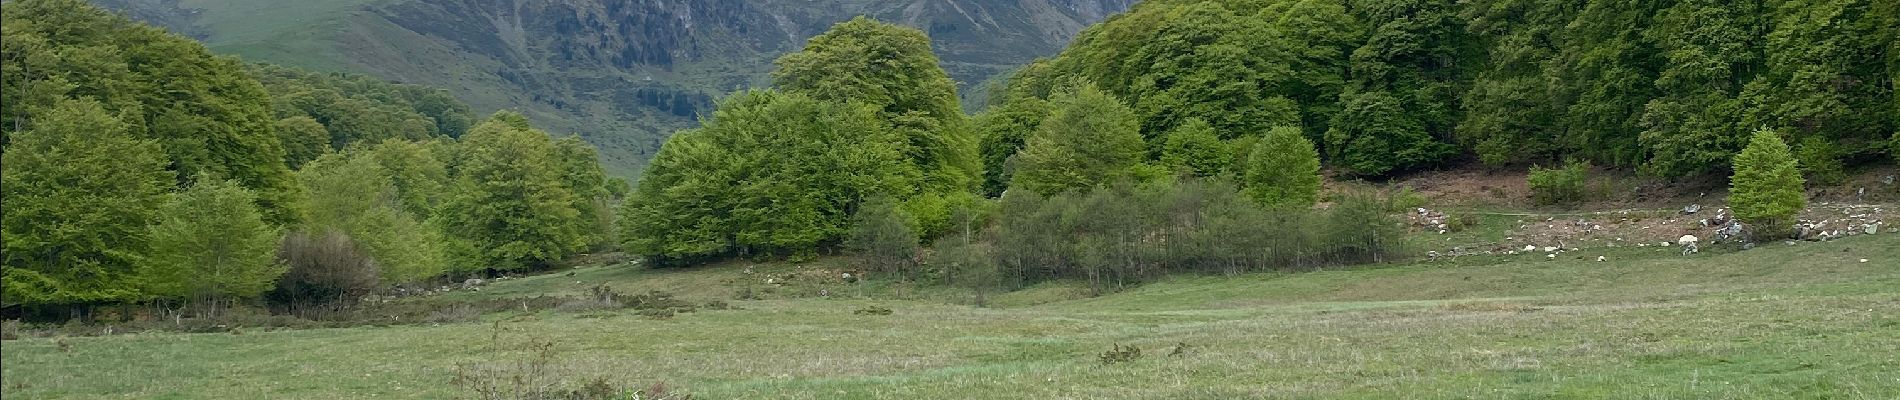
[
  {"x": 1283, "y": 170},
  {"x": 204, "y": 111},
  {"x": 355, "y": 195},
  {"x": 881, "y": 234},
  {"x": 1373, "y": 136},
  {"x": 303, "y": 139},
  {"x": 210, "y": 244},
  {"x": 1004, "y": 128},
  {"x": 768, "y": 174},
  {"x": 417, "y": 172},
  {"x": 1194, "y": 149},
  {"x": 1559, "y": 185},
  {"x": 892, "y": 68},
  {"x": 1200, "y": 60},
  {"x": 582, "y": 175},
  {"x": 1766, "y": 188},
  {"x": 512, "y": 205},
  {"x": 79, "y": 191},
  {"x": 1089, "y": 139}
]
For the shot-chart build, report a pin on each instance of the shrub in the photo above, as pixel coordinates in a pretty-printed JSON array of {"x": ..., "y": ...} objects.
[
  {"x": 1359, "y": 230},
  {"x": 1121, "y": 354},
  {"x": 1120, "y": 235},
  {"x": 1559, "y": 185},
  {"x": 966, "y": 265},
  {"x": 326, "y": 269},
  {"x": 1766, "y": 188},
  {"x": 881, "y": 235}
]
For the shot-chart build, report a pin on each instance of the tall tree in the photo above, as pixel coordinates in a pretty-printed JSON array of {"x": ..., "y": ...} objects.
[
  {"x": 206, "y": 113},
  {"x": 80, "y": 189},
  {"x": 511, "y": 204},
  {"x": 1373, "y": 135},
  {"x": 581, "y": 173},
  {"x": 303, "y": 139},
  {"x": 1004, "y": 128},
  {"x": 1089, "y": 139},
  {"x": 357, "y": 194},
  {"x": 892, "y": 68},
  {"x": 769, "y": 174},
  {"x": 211, "y": 244}
]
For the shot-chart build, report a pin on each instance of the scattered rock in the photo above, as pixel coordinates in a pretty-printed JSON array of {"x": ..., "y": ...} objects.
[{"x": 1692, "y": 209}]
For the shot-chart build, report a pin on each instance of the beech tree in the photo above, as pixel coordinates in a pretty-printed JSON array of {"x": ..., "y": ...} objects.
[
  {"x": 80, "y": 190},
  {"x": 211, "y": 244}
]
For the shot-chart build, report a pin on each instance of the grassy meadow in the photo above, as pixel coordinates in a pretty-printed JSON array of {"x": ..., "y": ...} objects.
[{"x": 1807, "y": 321}]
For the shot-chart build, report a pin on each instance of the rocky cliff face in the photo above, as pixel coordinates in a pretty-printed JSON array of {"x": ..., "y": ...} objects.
[{"x": 623, "y": 73}]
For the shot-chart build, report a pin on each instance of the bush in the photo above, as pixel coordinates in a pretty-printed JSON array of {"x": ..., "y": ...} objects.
[
  {"x": 882, "y": 237},
  {"x": 1120, "y": 235},
  {"x": 1766, "y": 189},
  {"x": 326, "y": 269},
  {"x": 1120, "y": 354},
  {"x": 1559, "y": 185}
]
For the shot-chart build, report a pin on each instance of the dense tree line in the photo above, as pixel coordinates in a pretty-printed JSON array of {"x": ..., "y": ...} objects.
[
  {"x": 140, "y": 167},
  {"x": 1671, "y": 88},
  {"x": 353, "y": 109},
  {"x": 859, "y": 149}
]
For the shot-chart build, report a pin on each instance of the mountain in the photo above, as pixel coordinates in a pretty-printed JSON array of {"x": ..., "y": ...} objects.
[{"x": 622, "y": 74}]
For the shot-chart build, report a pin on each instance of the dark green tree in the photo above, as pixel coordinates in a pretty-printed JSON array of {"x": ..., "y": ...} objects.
[
  {"x": 1373, "y": 136},
  {"x": 881, "y": 235},
  {"x": 206, "y": 113}
]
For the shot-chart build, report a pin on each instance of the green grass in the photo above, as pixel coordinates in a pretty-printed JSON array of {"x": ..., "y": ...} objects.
[{"x": 1778, "y": 322}]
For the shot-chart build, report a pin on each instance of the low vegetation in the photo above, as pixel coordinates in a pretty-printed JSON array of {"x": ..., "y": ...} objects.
[{"x": 1719, "y": 324}]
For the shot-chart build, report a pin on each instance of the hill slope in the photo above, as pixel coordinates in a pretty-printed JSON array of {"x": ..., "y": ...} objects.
[{"x": 623, "y": 75}]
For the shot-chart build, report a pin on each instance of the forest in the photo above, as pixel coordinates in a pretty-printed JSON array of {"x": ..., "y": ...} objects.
[
  {"x": 1181, "y": 136},
  {"x": 141, "y": 168}
]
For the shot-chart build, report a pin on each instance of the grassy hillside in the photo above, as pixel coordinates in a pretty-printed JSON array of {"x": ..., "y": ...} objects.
[{"x": 1779, "y": 322}]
